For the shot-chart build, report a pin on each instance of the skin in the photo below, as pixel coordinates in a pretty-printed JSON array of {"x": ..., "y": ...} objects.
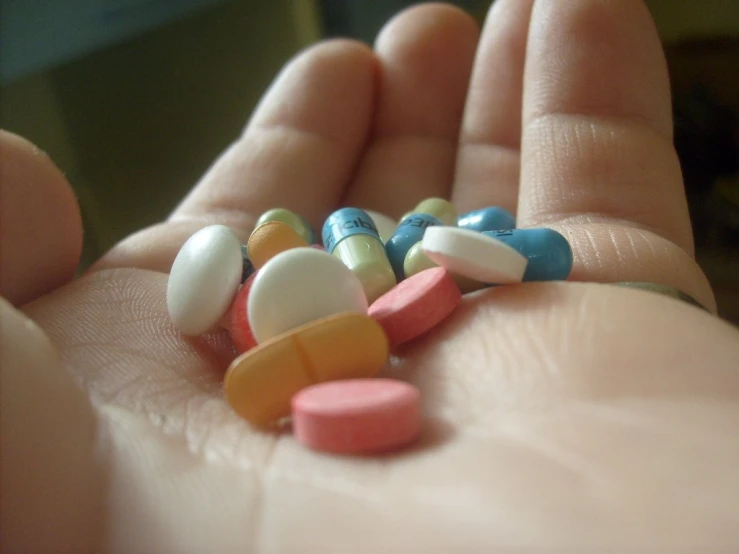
[{"x": 560, "y": 417}]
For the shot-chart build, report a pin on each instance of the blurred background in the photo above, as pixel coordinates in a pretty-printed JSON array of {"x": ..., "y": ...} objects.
[{"x": 133, "y": 99}]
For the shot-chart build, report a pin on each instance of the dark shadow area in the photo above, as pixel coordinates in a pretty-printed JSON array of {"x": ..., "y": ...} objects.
[
  {"x": 363, "y": 19},
  {"x": 706, "y": 108}
]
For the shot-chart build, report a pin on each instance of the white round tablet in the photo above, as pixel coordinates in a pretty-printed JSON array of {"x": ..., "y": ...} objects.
[
  {"x": 385, "y": 225},
  {"x": 298, "y": 286},
  {"x": 204, "y": 279},
  {"x": 474, "y": 255}
]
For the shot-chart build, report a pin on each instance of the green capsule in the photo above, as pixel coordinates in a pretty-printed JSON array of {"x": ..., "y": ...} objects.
[
  {"x": 439, "y": 208},
  {"x": 300, "y": 225},
  {"x": 416, "y": 262}
]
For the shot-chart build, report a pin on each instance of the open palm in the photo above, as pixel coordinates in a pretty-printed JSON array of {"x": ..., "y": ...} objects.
[{"x": 559, "y": 416}]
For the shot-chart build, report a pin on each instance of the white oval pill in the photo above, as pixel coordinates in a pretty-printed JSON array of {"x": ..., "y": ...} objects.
[
  {"x": 474, "y": 255},
  {"x": 204, "y": 279},
  {"x": 385, "y": 225},
  {"x": 298, "y": 286}
]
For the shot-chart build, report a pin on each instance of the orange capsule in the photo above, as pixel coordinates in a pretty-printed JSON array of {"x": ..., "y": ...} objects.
[
  {"x": 260, "y": 384},
  {"x": 271, "y": 238}
]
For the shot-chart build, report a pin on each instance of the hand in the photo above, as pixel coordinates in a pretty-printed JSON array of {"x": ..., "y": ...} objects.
[{"x": 559, "y": 417}]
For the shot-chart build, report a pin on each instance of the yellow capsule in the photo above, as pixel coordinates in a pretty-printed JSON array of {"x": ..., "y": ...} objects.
[
  {"x": 299, "y": 225},
  {"x": 439, "y": 208},
  {"x": 260, "y": 383},
  {"x": 416, "y": 261},
  {"x": 350, "y": 234}
]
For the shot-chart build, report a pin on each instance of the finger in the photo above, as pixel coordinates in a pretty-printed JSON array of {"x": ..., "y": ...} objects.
[
  {"x": 597, "y": 139},
  {"x": 40, "y": 223},
  {"x": 488, "y": 160},
  {"x": 613, "y": 253},
  {"x": 426, "y": 56},
  {"x": 51, "y": 473},
  {"x": 298, "y": 152},
  {"x": 302, "y": 144},
  {"x": 597, "y": 156}
]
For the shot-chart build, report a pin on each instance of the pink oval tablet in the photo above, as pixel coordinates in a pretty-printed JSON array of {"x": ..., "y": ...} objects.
[
  {"x": 357, "y": 416},
  {"x": 416, "y": 305}
]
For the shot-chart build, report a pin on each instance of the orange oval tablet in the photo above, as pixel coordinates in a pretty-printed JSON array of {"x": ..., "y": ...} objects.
[
  {"x": 260, "y": 384},
  {"x": 269, "y": 239}
]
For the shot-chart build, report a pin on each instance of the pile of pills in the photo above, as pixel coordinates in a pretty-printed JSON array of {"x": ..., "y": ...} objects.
[{"x": 315, "y": 323}]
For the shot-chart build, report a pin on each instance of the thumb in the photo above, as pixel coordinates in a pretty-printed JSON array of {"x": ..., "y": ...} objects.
[
  {"x": 40, "y": 223},
  {"x": 52, "y": 480}
]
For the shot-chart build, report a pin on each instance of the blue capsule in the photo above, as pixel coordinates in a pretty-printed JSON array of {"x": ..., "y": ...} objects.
[
  {"x": 409, "y": 232},
  {"x": 548, "y": 252},
  {"x": 487, "y": 219}
]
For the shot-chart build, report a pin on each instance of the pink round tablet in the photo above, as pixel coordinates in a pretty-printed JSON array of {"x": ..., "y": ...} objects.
[
  {"x": 357, "y": 416},
  {"x": 416, "y": 305}
]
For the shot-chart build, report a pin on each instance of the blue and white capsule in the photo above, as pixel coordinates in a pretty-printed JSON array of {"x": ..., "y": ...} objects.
[
  {"x": 409, "y": 232},
  {"x": 548, "y": 252},
  {"x": 492, "y": 218},
  {"x": 351, "y": 235}
]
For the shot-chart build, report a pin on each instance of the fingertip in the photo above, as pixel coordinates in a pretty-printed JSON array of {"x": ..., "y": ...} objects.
[
  {"x": 303, "y": 142},
  {"x": 599, "y": 58},
  {"x": 334, "y": 76},
  {"x": 426, "y": 20},
  {"x": 40, "y": 222},
  {"x": 341, "y": 50},
  {"x": 488, "y": 159},
  {"x": 597, "y": 122},
  {"x": 426, "y": 54}
]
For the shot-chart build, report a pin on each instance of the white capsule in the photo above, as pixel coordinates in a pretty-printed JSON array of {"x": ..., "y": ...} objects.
[
  {"x": 298, "y": 286},
  {"x": 385, "y": 225},
  {"x": 474, "y": 255},
  {"x": 204, "y": 279}
]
